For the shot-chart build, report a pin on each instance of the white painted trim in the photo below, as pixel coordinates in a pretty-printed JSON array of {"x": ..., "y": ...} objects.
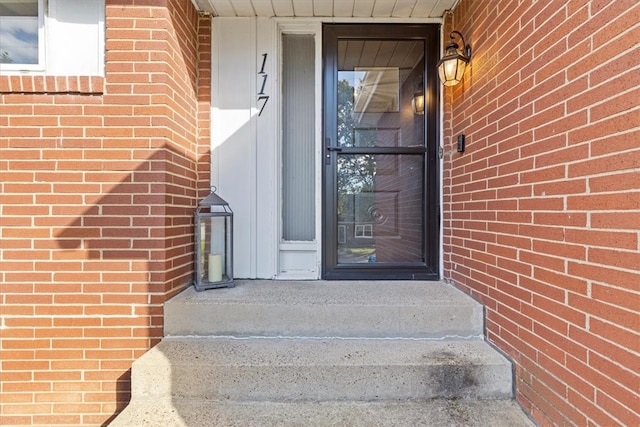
[
  {"x": 254, "y": 159},
  {"x": 214, "y": 165},
  {"x": 351, "y": 20},
  {"x": 454, "y": 5},
  {"x": 319, "y": 147},
  {"x": 233, "y": 136},
  {"x": 268, "y": 156},
  {"x": 311, "y": 27}
]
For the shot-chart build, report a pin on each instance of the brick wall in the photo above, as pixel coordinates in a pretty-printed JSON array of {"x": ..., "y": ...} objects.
[
  {"x": 542, "y": 211},
  {"x": 97, "y": 193}
]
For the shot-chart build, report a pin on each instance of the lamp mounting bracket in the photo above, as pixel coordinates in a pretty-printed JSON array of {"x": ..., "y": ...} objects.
[{"x": 466, "y": 48}]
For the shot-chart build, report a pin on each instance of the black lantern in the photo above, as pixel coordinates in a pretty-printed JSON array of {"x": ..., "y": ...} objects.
[
  {"x": 417, "y": 101},
  {"x": 451, "y": 66},
  {"x": 213, "y": 244}
]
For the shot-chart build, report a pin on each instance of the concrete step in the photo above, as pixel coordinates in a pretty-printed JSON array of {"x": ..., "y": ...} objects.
[
  {"x": 317, "y": 353},
  {"x": 416, "y": 309},
  {"x": 433, "y": 413},
  {"x": 323, "y": 369}
]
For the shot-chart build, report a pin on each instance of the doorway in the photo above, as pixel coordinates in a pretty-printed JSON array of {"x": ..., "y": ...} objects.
[{"x": 380, "y": 179}]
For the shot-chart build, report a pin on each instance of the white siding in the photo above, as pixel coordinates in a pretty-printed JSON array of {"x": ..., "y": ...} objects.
[
  {"x": 267, "y": 151},
  {"x": 246, "y": 149},
  {"x": 75, "y": 37},
  {"x": 233, "y": 132}
]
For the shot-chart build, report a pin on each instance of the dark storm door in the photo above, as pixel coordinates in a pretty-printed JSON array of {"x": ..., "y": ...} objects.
[{"x": 380, "y": 197}]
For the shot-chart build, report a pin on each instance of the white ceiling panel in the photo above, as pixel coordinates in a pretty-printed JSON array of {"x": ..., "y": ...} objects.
[
  {"x": 425, "y": 7},
  {"x": 281, "y": 7},
  {"x": 440, "y": 6},
  {"x": 303, "y": 8},
  {"x": 327, "y": 8},
  {"x": 222, "y": 7},
  {"x": 342, "y": 8},
  {"x": 363, "y": 8},
  {"x": 403, "y": 8},
  {"x": 383, "y": 9},
  {"x": 323, "y": 8},
  {"x": 263, "y": 8},
  {"x": 243, "y": 7}
]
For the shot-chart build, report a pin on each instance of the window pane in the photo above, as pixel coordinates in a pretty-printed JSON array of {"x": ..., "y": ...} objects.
[
  {"x": 380, "y": 202},
  {"x": 298, "y": 144},
  {"x": 377, "y": 82},
  {"x": 19, "y": 32}
]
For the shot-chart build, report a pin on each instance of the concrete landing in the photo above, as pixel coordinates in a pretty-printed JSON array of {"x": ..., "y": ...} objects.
[{"x": 414, "y": 309}]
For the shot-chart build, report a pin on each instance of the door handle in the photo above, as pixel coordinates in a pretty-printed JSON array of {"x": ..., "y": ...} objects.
[{"x": 330, "y": 148}]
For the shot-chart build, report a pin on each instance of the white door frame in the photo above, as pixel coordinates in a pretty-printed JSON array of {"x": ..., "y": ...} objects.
[{"x": 301, "y": 260}]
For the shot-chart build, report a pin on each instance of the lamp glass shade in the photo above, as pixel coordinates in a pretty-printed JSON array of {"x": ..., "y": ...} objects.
[
  {"x": 417, "y": 103},
  {"x": 451, "y": 66}
]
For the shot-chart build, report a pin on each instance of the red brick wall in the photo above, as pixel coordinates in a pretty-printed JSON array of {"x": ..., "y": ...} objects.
[
  {"x": 97, "y": 193},
  {"x": 542, "y": 211}
]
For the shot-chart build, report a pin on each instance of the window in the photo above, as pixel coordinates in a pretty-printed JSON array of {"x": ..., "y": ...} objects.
[
  {"x": 298, "y": 137},
  {"x": 52, "y": 37},
  {"x": 21, "y": 34},
  {"x": 364, "y": 231},
  {"x": 342, "y": 234}
]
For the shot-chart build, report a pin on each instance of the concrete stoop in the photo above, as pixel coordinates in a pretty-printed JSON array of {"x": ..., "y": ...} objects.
[{"x": 269, "y": 353}]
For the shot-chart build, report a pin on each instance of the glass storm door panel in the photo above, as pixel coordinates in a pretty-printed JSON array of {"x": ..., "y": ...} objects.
[{"x": 381, "y": 207}]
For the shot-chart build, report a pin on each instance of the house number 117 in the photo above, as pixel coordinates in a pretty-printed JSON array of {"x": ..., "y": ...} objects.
[{"x": 262, "y": 98}]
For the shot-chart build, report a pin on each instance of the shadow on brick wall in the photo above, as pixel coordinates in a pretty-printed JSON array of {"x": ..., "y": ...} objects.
[{"x": 127, "y": 249}]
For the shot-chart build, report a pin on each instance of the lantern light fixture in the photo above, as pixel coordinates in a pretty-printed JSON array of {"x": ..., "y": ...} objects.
[
  {"x": 213, "y": 243},
  {"x": 417, "y": 101},
  {"x": 451, "y": 66}
]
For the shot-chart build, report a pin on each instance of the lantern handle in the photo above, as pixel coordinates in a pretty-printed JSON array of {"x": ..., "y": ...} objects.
[
  {"x": 214, "y": 188},
  {"x": 466, "y": 49}
]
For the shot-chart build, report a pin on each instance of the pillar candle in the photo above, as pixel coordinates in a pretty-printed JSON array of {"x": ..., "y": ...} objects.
[{"x": 215, "y": 267}]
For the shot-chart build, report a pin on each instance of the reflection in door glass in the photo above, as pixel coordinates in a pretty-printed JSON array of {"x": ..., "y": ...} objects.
[
  {"x": 380, "y": 187},
  {"x": 377, "y": 88},
  {"x": 379, "y": 208}
]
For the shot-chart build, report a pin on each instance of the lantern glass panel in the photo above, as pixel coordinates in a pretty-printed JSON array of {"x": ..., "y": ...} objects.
[{"x": 215, "y": 243}]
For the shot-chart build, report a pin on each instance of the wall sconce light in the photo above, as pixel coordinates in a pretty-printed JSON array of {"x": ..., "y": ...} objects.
[
  {"x": 451, "y": 66},
  {"x": 417, "y": 101}
]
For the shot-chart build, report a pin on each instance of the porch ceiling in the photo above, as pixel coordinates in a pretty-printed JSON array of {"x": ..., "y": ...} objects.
[{"x": 327, "y": 8}]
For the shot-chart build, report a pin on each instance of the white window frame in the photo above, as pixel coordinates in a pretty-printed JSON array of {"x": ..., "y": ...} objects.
[
  {"x": 306, "y": 256},
  {"x": 40, "y": 66},
  {"x": 57, "y": 30},
  {"x": 342, "y": 234},
  {"x": 363, "y": 231}
]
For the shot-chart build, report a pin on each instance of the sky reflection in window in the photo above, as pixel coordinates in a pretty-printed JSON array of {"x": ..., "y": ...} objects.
[
  {"x": 19, "y": 32},
  {"x": 19, "y": 39}
]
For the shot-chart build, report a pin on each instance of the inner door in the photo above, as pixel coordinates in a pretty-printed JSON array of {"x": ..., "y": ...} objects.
[{"x": 380, "y": 194}]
